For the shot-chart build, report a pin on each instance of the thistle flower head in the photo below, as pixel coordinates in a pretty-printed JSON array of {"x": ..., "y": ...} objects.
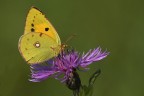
[{"x": 65, "y": 64}]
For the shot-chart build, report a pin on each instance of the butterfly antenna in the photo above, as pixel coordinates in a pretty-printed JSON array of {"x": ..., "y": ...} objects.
[{"x": 71, "y": 37}]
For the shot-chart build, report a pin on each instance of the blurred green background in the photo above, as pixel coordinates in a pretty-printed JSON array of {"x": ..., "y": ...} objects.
[{"x": 115, "y": 25}]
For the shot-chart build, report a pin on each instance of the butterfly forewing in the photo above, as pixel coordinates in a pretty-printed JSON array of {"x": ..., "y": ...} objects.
[{"x": 37, "y": 22}]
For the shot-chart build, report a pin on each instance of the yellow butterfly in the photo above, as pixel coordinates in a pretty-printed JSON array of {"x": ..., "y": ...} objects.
[{"x": 40, "y": 41}]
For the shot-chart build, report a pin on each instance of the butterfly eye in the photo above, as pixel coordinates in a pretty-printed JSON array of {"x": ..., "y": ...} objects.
[{"x": 37, "y": 44}]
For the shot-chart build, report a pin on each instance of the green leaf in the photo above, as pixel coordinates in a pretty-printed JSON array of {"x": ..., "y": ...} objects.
[
  {"x": 94, "y": 77},
  {"x": 88, "y": 90}
]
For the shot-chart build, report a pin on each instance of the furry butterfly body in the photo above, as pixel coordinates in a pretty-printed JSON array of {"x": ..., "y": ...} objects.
[{"x": 40, "y": 41}]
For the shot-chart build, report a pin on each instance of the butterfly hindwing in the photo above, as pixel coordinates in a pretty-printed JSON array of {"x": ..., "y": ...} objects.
[{"x": 37, "y": 47}]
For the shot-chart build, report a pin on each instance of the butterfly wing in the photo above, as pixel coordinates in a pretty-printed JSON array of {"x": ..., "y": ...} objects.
[
  {"x": 38, "y": 47},
  {"x": 37, "y": 22}
]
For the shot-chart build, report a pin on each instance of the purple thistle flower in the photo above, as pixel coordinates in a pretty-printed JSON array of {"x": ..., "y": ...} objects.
[{"x": 63, "y": 66}]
